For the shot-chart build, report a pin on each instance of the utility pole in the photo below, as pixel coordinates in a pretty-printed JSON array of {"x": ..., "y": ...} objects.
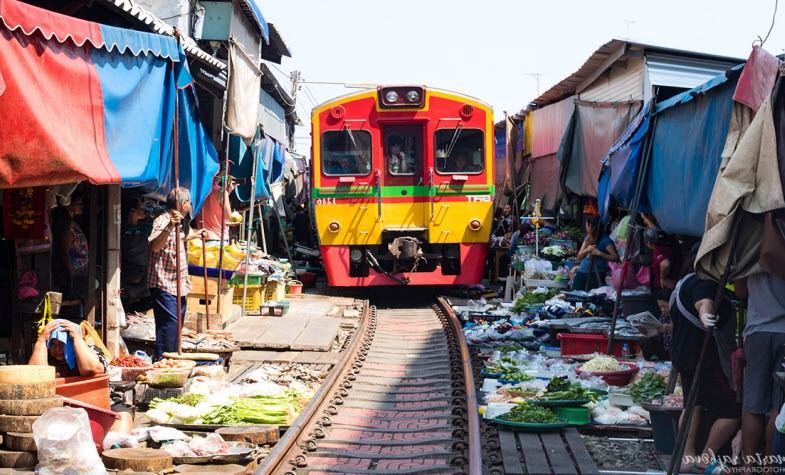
[{"x": 296, "y": 80}]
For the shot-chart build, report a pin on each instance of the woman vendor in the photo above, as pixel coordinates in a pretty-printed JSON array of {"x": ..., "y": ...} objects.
[
  {"x": 692, "y": 314},
  {"x": 595, "y": 253},
  {"x": 62, "y": 345}
]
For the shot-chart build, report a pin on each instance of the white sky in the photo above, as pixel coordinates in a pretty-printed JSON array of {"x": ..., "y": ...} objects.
[{"x": 490, "y": 49}]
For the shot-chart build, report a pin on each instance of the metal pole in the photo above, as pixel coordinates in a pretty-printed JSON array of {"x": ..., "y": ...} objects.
[
  {"x": 224, "y": 179},
  {"x": 177, "y": 235},
  {"x": 684, "y": 427},
  {"x": 643, "y": 167},
  {"x": 248, "y": 229},
  {"x": 206, "y": 281}
]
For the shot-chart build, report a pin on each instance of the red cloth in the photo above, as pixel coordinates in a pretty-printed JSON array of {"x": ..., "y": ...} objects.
[
  {"x": 24, "y": 213},
  {"x": 658, "y": 255},
  {"x": 52, "y": 106},
  {"x": 757, "y": 78},
  {"x": 211, "y": 213}
]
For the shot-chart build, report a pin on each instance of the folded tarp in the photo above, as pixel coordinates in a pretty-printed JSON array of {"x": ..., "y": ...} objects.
[
  {"x": 619, "y": 174},
  {"x": 687, "y": 142},
  {"x": 593, "y": 128}
]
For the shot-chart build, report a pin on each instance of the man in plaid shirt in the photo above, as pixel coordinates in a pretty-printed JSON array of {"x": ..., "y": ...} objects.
[{"x": 162, "y": 273}]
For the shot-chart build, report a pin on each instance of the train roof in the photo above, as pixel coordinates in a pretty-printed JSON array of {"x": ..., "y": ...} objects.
[{"x": 341, "y": 99}]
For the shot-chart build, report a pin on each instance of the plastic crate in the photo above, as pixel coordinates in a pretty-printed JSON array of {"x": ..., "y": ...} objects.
[
  {"x": 574, "y": 416},
  {"x": 274, "y": 291},
  {"x": 253, "y": 298},
  {"x": 256, "y": 280},
  {"x": 586, "y": 344}
]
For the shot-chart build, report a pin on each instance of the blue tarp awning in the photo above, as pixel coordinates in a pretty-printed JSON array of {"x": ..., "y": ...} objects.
[
  {"x": 687, "y": 143},
  {"x": 256, "y": 11},
  {"x": 271, "y": 157},
  {"x": 620, "y": 167}
]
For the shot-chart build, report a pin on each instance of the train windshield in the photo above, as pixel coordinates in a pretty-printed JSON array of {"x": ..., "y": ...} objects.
[
  {"x": 346, "y": 152},
  {"x": 402, "y": 146},
  {"x": 459, "y": 151}
]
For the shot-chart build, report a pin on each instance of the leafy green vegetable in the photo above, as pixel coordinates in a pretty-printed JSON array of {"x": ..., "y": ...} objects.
[
  {"x": 650, "y": 386},
  {"x": 507, "y": 369},
  {"x": 509, "y": 347},
  {"x": 530, "y": 413},
  {"x": 187, "y": 399},
  {"x": 275, "y": 410},
  {"x": 560, "y": 389},
  {"x": 531, "y": 298},
  {"x": 558, "y": 383}
]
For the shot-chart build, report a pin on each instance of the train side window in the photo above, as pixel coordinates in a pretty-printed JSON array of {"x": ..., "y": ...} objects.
[
  {"x": 459, "y": 151},
  {"x": 346, "y": 152},
  {"x": 402, "y": 146}
]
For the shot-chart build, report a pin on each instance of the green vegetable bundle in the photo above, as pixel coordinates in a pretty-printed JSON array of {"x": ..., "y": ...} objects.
[
  {"x": 649, "y": 387},
  {"x": 560, "y": 389},
  {"x": 275, "y": 410},
  {"x": 530, "y": 413}
]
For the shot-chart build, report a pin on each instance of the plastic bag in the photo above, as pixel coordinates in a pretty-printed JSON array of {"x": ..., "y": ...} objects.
[
  {"x": 116, "y": 440},
  {"x": 537, "y": 269},
  {"x": 65, "y": 444}
]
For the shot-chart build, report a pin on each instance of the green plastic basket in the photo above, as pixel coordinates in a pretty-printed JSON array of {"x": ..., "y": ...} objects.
[
  {"x": 574, "y": 416},
  {"x": 253, "y": 280}
]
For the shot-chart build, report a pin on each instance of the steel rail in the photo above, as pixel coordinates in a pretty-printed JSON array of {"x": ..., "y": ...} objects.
[
  {"x": 472, "y": 414},
  {"x": 311, "y": 412}
]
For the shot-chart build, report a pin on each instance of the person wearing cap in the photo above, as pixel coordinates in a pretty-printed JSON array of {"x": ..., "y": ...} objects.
[{"x": 62, "y": 345}]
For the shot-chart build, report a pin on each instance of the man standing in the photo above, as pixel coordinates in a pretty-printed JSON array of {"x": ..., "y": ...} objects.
[
  {"x": 162, "y": 273},
  {"x": 764, "y": 341}
]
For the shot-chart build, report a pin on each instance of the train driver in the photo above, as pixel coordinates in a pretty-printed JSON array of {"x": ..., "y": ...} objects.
[
  {"x": 398, "y": 162},
  {"x": 459, "y": 163}
]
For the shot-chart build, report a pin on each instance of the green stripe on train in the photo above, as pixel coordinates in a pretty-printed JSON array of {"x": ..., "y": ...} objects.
[{"x": 401, "y": 191}]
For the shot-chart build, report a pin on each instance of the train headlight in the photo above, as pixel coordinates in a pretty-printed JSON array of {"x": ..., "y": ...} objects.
[
  {"x": 391, "y": 97},
  {"x": 413, "y": 96},
  {"x": 475, "y": 224},
  {"x": 356, "y": 255},
  {"x": 334, "y": 226}
]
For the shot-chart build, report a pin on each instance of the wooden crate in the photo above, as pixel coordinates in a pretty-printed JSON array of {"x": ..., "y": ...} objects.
[
  {"x": 197, "y": 285},
  {"x": 196, "y": 302}
]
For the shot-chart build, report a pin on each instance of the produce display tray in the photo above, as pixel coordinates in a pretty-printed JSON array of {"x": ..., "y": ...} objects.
[
  {"x": 559, "y": 402},
  {"x": 530, "y": 426}
]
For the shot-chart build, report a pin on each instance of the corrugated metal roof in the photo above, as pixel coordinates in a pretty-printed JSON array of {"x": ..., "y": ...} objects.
[
  {"x": 131, "y": 8},
  {"x": 277, "y": 47},
  {"x": 602, "y": 59}
]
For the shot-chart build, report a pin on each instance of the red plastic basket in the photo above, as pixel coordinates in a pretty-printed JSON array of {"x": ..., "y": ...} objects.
[
  {"x": 614, "y": 378},
  {"x": 586, "y": 344},
  {"x": 90, "y": 390},
  {"x": 101, "y": 420}
]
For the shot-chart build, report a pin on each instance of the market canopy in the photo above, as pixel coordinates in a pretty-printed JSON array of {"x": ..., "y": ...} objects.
[
  {"x": 85, "y": 101},
  {"x": 687, "y": 142},
  {"x": 592, "y": 130}
]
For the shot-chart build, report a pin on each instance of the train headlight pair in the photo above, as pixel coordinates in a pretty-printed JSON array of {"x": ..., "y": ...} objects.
[{"x": 411, "y": 96}]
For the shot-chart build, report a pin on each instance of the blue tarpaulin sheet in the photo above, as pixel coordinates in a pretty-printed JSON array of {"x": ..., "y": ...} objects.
[
  {"x": 197, "y": 157},
  {"x": 271, "y": 156},
  {"x": 687, "y": 144},
  {"x": 620, "y": 168}
]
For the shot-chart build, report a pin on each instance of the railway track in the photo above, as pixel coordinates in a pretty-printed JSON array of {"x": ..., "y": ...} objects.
[{"x": 400, "y": 401}]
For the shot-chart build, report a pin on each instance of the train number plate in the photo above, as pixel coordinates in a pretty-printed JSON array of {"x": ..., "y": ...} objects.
[{"x": 480, "y": 198}]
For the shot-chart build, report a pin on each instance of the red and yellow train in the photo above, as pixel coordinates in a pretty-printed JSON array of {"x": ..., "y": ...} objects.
[{"x": 402, "y": 183}]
